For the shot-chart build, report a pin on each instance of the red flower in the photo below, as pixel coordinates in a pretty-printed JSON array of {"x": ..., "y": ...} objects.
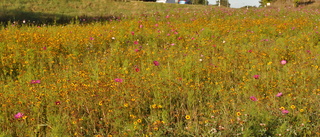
[
  {"x": 35, "y": 81},
  {"x": 256, "y": 76},
  {"x": 156, "y": 63},
  {"x": 58, "y": 102},
  {"x": 137, "y": 69},
  {"x": 118, "y": 80}
]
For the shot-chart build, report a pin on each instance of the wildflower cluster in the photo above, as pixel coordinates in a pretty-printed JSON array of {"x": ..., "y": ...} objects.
[{"x": 176, "y": 72}]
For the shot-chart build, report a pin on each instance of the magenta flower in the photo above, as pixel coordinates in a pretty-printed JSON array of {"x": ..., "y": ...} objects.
[
  {"x": 279, "y": 94},
  {"x": 91, "y": 38},
  {"x": 253, "y": 98},
  {"x": 285, "y": 111},
  {"x": 35, "y": 81},
  {"x": 308, "y": 51},
  {"x": 58, "y": 102},
  {"x": 136, "y": 50},
  {"x": 136, "y": 42},
  {"x": 132, "y": 32},
  {"x": 137, "y": 69},
  {"x": 156, "y": 63},
  {"x": 250, "y": 51},
  {"x": 283, "y": 62},
  {"x": 256, "y": 76},
  {"x": 118, "y": 80},
  {"x": 18, "y": 115},
  {"x": 44, "y": 48}
]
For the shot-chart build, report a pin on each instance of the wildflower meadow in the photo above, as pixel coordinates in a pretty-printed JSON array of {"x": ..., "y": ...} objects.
[{"x": 170, "y": 71}]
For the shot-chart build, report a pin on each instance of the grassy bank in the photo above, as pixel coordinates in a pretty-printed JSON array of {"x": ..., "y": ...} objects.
[{"x": 63, "y": 12}]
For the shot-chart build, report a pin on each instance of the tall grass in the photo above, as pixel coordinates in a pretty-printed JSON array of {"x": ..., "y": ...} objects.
[{"x": 173, "y": 72}]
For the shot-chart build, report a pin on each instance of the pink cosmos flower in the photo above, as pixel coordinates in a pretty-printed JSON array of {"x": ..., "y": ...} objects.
[
  {"x": 132, "y": 32},
  {"x": 279, "y": 94},
  {"x": 253, "y": 98},
  {"x": 250, "y": 51},
  {"x": 283, "y": 62},
  {"x": 18, "y": 115},
  {"x": 35, "y": 81},
  {"x": 156, "y": 63},
  {"x": 135, "y": 42},
  {"x": 285, "y": 111},
  {"x": 44, "y": 48},
  {"x": 118, "y": 80},
  {"x": 308, "y": 51},
  {"x": 136, "y": 50},
  {"x": 256, "y": 76}
]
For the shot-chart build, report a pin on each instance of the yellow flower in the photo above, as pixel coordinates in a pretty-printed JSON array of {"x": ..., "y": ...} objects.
[
  {"x": 132, "y": 116},
  {"x": 155, "y": 128},
  {"x": 154, "y": 106},
  {"x": 100, "y": 103},
  {"x": 139, "y": 120},
  {"x": 282, "y": 108},
  {"x": 293, "y": 106},
  {"x": 187, "y": 117},
  {"x": 301, "y": 110},
  {"x": 238, "y": 113}
]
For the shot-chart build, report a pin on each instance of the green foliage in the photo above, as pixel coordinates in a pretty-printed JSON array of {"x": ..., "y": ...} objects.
[{"x": 223, "y": 3}]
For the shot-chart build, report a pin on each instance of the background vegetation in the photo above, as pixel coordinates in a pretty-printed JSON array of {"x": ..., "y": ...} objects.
[{"x": 160, "y": 70}]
